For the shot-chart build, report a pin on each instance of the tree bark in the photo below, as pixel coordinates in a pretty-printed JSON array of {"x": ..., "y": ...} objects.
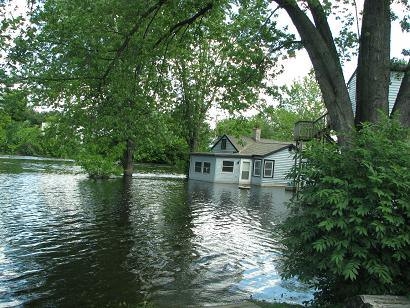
[
  {"x": 127, "y": 162},
  {"x": 373, "y": 69},
  {"x": 190, "y": 110},
  {"x": 320, "y": 19},
  {"x": 402, "y": 104},
  {"x": 193, "y": 142},
  {"x": 319, "y": 43}
]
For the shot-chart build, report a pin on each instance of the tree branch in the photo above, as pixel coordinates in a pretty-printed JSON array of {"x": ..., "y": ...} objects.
[
  {"x": 57, "y": 79},
  {"x": 150, "y": 22},
  {"x": 319, "y": 16},
  {"x": 285, "y": 44},
  {"x": 177, "y": 27},
  {"x": 328, "y": 71},
  {"x": 129, "y": 35}
]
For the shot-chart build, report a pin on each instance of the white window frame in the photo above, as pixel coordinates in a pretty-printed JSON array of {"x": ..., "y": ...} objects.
[
  {"x": 229, "y": 161},
  {"x": 260, "y": 167},
  {"x": 264, "y": 168},
  {"x": 198, "y": 162},
  {"x": 203, "y": 167}
]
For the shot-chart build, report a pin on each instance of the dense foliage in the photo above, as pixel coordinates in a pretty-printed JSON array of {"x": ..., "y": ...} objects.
[
  {"x": 349, "y": 231},
  {"x": 120, "y": 70},
  {"x": 21, "y": 132},
  {"x": 27, "y": 131},
  {"x": 301, "y": 100}
]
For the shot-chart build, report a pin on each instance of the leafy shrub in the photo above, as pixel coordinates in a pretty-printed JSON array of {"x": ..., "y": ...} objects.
[
  {"x": 349, "y": 229},
  {"x": 23, "y": 139},
  {"x": 100, "y": 162}
]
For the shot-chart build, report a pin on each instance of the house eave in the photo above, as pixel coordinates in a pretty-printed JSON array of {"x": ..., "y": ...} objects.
[
  {"x": 238, "y": 155},
  {"x": 289, "y": 146},
  {"x": 231, "y": 155}
]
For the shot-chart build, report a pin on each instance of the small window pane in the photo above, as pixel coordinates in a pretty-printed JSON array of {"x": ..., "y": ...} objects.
[
  {"x": 257, "y": 168},
  {"x": 268, "y": 169},
  {"x": 198, "y": 166},
  {"x": 227, "y": 166},
  {"x": 223, "y": 144},
  {"x": 207, "y": 167}
]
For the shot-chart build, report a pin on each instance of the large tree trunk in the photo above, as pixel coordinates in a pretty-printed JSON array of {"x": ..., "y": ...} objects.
[
  {"x": 127, "y": 161},
  {"x": 193, "y": 142},
  {"x": 189, "y": 110},
  {"x": 402, "y": 105},
  {"x": 373, "y": 69},
  {"x": 319, "y": 43}
]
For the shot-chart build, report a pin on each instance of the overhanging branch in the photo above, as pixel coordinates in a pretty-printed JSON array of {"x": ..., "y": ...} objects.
[
  {"x": 286, "y": 44},
  {"x": 319, "y": 16},
  {"x": 130, "y": 34},
  {"x": 177, "y": 27}
]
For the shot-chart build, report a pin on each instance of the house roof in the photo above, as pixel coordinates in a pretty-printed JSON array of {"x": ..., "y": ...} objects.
[
  {"x": 248, "y": 146},
  {"x": 216, "y": 154}
]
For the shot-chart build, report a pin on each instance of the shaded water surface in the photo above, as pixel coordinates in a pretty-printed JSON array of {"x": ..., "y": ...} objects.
[{"x": 67, "y": 240}]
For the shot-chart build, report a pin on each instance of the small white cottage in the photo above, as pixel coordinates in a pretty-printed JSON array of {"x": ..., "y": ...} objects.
[{"x": 244, "y": 161}]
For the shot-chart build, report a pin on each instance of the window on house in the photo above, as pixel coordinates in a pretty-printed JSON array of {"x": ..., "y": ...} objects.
[
  {"x": 207, "y": 167},
  {"x": 268, "y": 168},
  {"x": 223, "y": 144},
  {"x": 257, "y": 166},
  {"x": 198, "y": 166},
  {"x": 227, "y": 166}
]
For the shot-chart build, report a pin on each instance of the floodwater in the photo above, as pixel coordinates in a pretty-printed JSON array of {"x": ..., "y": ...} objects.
[{"x": 66, "y": 240}]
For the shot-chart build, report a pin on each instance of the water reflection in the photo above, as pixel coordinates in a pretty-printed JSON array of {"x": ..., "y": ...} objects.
[{"x": 69, "y": 240}]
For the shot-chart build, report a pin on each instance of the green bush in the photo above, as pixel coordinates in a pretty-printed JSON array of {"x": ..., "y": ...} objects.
[
  {"x": 23, "y": 139},
  {"x": 349, "y": 228},
  {"x": 100, "y": 162}
]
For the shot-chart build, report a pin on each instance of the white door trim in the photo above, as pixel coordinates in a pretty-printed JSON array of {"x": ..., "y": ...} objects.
[{"x": 245, "y": 166}]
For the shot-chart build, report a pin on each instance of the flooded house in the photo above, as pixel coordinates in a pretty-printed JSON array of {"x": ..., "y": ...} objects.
[{"x": 244, "y": 161}]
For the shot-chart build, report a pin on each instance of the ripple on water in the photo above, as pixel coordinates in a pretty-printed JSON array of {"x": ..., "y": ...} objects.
[{"x": 66, "y": 239}]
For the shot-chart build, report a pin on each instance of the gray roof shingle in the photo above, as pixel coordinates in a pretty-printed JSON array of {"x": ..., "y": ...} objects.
[{"x": 249, "y": 146}]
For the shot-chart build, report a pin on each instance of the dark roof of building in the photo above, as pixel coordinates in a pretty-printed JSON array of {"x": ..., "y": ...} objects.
[{"x": 247, "y": 146}]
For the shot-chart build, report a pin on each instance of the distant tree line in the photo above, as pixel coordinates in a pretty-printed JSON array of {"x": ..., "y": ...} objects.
[{"x": 25, "y": 131}]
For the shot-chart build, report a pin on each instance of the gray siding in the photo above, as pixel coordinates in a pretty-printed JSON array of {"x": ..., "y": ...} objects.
[
  {"x": 229, "y": 147},
  {"x": 201, "y": 176},
  {"x": 351, "y": 87},
  {"x": 283, "y": 164},
  {"x": 227, "y": 177},
  {"x": 395, "y": 82}
]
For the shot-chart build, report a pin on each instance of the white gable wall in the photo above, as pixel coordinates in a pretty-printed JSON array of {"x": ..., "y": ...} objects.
[
  {"x": 229, "y": 147},
  {"x": 395, "y": 82}
]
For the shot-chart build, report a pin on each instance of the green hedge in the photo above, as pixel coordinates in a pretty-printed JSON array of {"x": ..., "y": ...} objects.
[{"x": 349, "y": 230}]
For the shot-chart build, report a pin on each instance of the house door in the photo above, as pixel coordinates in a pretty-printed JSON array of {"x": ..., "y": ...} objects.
[{"x": 245, "y": 175}]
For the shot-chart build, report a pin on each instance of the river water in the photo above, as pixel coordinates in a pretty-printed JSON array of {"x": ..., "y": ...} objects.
[{"x": 66, "y": 240}]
